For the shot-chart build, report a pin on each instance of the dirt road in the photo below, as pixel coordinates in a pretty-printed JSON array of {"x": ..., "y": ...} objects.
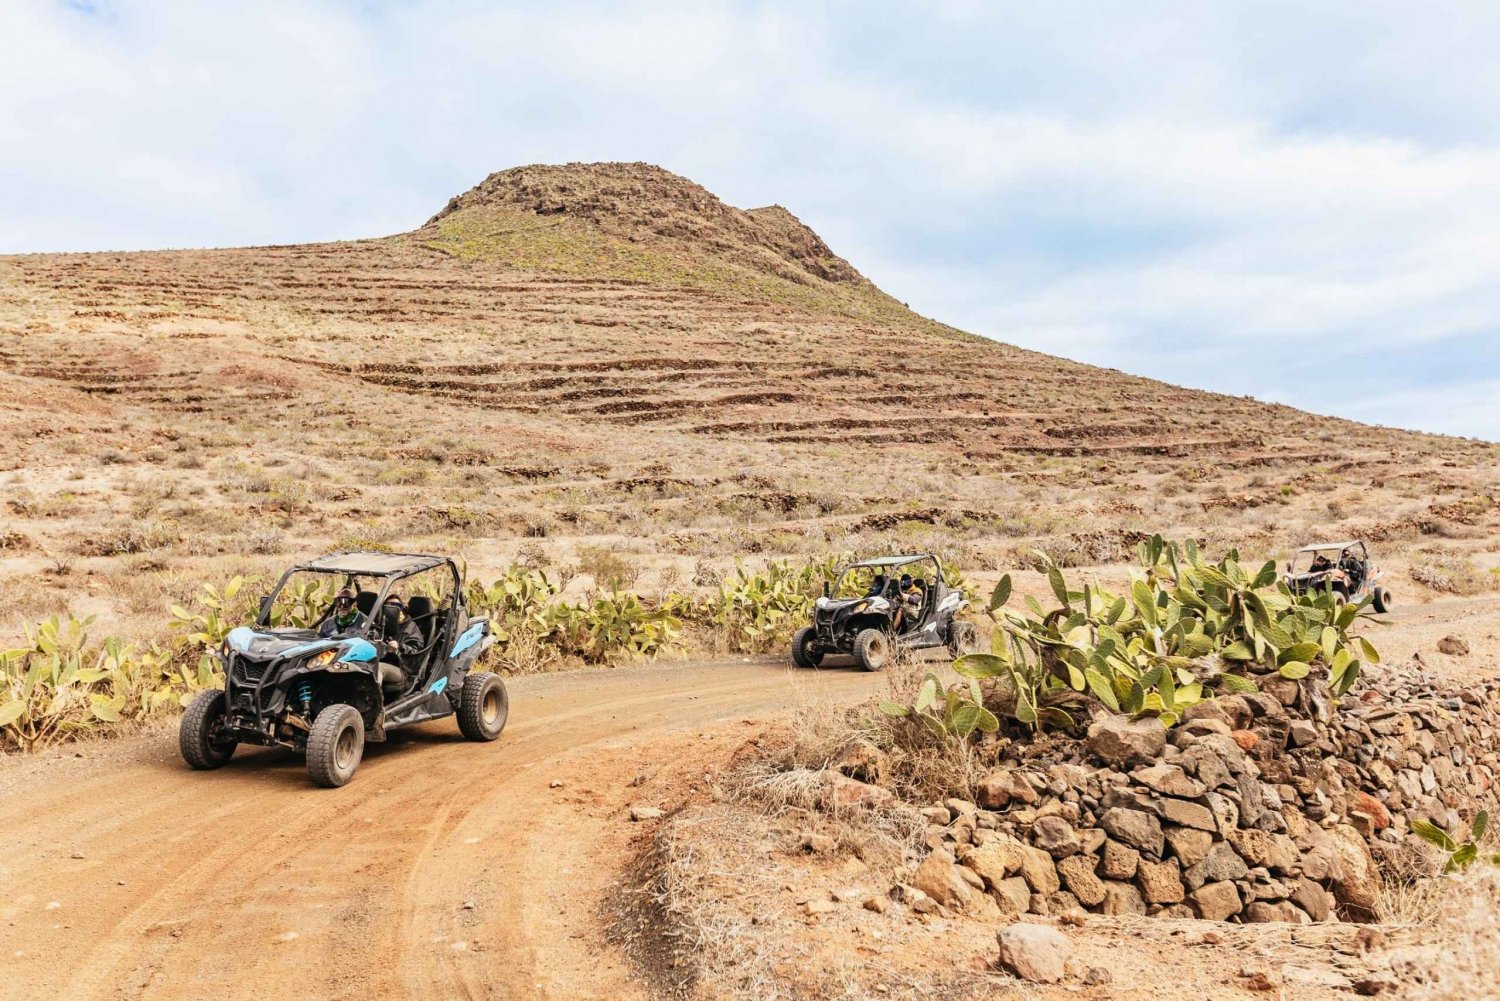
[{"x": 445, "y": 870}]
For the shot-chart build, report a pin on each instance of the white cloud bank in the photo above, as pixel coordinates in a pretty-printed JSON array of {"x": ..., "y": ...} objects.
[{"x": 1300, "y": 204}]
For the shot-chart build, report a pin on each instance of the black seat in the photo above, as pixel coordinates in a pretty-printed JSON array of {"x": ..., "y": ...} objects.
[
  {"x": 419, "y": 610},
  {"x": 393, "y": 673},
  {"x": 365, "y": 602}
]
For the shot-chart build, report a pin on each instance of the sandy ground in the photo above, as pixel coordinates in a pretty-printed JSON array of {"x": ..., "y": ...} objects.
[{"x": 445, "y": 870}]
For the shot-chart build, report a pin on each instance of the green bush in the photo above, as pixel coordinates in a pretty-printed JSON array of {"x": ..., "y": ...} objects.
[
  {"x": 1186, "y": 630},
  {"x": 60, "y": 686}
]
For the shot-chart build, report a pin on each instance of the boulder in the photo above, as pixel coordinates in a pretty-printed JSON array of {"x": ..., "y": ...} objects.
[
  {"x": 1122, "y": 741},
  {"x": 1077, "y": 872},
  {"x": 1368, "y": 813},
  {"x": 864, "y": 761},
  {"x": 1261, "y": 912},
  {"x": 1119, "y": 861},
  {"x": 1000, "y": 856},
  {"x": 1259, "y": 848},
  {"x": 1122, "y": 898},
  {"x": 1039, "y": 872},
  {"x": 818, "y": 844},
  {"x": 1301, "y": 733},
  {"x": 1185, "y": 813},
  {"x": 1453, "y": 646},
  {"x": 842, "y": 793},
  {"x": 1220, "y": 863},
  {"x": 1013, "y": 895},
  {"x": 1215, "y": 901},
  {"x": 1035, "y": 952},
  {"x": 937, "y": 877},
  {"x": 1160, "y": 882},
  {"x": 1209, "y": 768},
  {"x": 1313, "y": 899},
  {"x": 1002, "y": 786},
  {"x": 1355, "y": 882},
  {"x": 1055, "y": 836},
  {"x": 1134, "y": 828},
  {"x": 1169, "y": 780},
  {"x": 1189, "y": 845}
]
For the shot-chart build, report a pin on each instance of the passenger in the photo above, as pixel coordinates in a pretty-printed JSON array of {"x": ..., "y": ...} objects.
[
  {"x": 402, "y": 636},
  {"x": 909, "y": 603},
  {"x": 344, "y": 617},
  {"x": 1320, "y": 563},
  {"x": 877, "y": 586},
  {"x": 1350, "y": 564}
]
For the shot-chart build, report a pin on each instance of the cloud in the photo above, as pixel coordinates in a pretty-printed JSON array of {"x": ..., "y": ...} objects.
[{"x": 1215, "y": 195}]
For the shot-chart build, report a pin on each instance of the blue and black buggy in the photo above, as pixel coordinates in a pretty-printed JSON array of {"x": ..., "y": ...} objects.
[{"x": 321, "y": 677}]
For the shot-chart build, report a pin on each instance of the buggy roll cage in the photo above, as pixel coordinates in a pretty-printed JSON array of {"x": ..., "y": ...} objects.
[
  {"x": 388, "y": 568},
  {"x": 888, "y": 564}
]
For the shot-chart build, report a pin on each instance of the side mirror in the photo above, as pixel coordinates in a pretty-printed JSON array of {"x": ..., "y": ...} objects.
[
  {"x": 827, "y": 589},
  {"x": 1288, "y": 566},
  {"x": 265, "y": 607}
]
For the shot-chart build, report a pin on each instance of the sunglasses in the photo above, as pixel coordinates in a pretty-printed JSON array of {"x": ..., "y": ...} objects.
[{"x": 343, "y": 602}]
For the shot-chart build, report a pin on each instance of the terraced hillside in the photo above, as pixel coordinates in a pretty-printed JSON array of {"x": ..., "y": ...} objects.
[{"x": 569, "y": 363}]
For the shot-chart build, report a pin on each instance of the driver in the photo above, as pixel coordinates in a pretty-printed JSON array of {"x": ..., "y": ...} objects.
[
  {"x": 877, "y": 586},
  {"x": 1320, "y": 563},
  {"x": 345, "y": 618}
]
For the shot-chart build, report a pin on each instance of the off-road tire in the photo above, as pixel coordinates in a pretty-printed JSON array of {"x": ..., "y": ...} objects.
[
  {"x": 483, "y": 706},
  {"x": 872, "y": 649},
  {"x": 962, "y": 638},
  {"x": 1382, "y": 600},
  {"x": 195, "y": 737},
  {"x": 335, "y": 746},
  {"x": 803, "y": 653}
]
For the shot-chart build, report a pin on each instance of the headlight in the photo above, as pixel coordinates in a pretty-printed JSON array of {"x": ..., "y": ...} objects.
[
  {"x": 323, "y": 658},
  {"x": 860, "y": 606}
]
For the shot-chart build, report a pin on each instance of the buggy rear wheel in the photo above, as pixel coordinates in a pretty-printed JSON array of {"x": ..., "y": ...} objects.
[
  {"x": 335, "y": 746},
  {"x": 200, "y": 738},
  {"x": 872, "y": 649},
  {"x": 1382, "y": 601},
  {"x": 483, "y": 706},
  {"x": 804, "y": 651}
]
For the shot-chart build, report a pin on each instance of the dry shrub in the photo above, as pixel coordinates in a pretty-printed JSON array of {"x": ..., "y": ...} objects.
[
  {"x": 264, "y": 542},
  {"x": 129, "y": 537},
  {"x": 1460, "y": 950},
  {"x": 1447, "y": 571},
  {"x": 605, "y": 566},
  {"x": 674, "y": 922}
]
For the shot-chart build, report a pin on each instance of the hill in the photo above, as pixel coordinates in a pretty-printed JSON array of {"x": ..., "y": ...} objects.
[{"x": 603, "y": 367}]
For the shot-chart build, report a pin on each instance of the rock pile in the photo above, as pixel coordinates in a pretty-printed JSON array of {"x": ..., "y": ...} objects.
[{"x": 1276, "y": 805}]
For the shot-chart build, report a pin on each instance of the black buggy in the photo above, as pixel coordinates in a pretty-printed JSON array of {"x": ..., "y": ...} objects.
[
  {"x": 1345, "y": 569},
  {"x": 866, "y": 614},
  {"x": 386, "y": 667}
]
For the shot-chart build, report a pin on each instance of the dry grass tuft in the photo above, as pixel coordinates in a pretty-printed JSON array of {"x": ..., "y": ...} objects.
[{"x": 1460, "y": 953}]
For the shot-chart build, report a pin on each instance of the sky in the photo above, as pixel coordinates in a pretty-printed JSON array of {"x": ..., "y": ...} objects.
[{"x": 1298, "y": 202}]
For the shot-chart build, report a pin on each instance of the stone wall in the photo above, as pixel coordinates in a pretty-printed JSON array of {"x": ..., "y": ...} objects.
[{"x": 1273, "y": 806}]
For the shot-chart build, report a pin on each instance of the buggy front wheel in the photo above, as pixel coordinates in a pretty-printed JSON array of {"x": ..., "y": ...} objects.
[
  {"x": 335, "y": 746},
  {"x": 872, "y": 649},
  {"x": 200, "y": 736},
  {"x": 804, "y": 649},
  {"x": 963, "y": 638},
  {"x": 483, "y": 706},
  {"x": 1382, "y": 601}
]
